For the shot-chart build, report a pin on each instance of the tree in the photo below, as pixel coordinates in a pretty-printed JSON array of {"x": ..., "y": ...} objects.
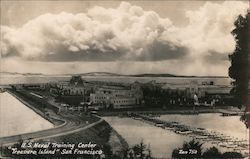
[
  {"x": 239, "y": 69},
  {"x": 191, "y": 149},
  {"x": 107, "y": 151},
  {"x": 139, "y": 150},
  {"x": 175, "y": 153},
  {"x": 231, "y": 155},
  {"x": 212, "y": 153},
  {"x": 57, "y": 90},
  {"x": 149, "y": 156}
]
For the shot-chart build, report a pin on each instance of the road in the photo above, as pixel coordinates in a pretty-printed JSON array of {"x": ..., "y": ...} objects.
[
  {"x": 71, "y": 123},
  {"x": 67, "y": 128}
]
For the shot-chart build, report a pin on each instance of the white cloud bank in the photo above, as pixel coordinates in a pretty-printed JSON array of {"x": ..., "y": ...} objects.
[{"x": 127, "y": 33}]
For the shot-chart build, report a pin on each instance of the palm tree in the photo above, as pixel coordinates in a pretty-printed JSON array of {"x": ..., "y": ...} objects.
[
  {"x": 140, "y": 149},
  {"x": 191, "y": 149}
]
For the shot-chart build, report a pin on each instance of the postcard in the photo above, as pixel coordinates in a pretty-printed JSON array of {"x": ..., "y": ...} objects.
[{"x": 112, "y": 79}]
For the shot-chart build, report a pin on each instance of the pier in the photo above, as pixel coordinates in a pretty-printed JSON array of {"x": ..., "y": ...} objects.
[{"x": 201, "y": 134}]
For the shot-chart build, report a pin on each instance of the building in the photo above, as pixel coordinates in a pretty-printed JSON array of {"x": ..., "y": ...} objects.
[
  {"x": 117, "y": 96},
  {"x": 123, "y": 102},
  {"x": 73, "y": 92},
  {"x": 205, "y": 91}
]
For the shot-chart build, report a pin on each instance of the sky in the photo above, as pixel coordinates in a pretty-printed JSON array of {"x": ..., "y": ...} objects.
[{"x": 127, "y": 37}]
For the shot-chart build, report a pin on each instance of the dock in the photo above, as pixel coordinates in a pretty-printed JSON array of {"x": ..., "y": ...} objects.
[{"x": 201, "y": 134}]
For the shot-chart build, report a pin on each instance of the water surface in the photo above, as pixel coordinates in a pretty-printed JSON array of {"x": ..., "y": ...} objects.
[
  {"x": 16, "y": 118},
  {"x": 162, "y": 142}
]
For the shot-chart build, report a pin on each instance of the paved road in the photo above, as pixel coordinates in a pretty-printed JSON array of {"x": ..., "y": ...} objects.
[
  {"x": 67, "y": 128},
  {"x": 72, "y": 124}
]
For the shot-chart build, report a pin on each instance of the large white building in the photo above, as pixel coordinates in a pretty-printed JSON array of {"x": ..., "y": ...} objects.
[
  {"x": 117, "y": 96},
  {"x": 123, "y": 102}
]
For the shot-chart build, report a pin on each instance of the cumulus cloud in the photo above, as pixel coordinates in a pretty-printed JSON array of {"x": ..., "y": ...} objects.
[
  {"x": 209, "y": 29},
  {"x": 129, "y": 33},
  {"x": 123, "y": 33}
]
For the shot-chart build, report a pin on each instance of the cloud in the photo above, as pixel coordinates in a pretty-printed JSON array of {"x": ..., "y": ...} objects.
[
  {"x": 209, "y": 29},
  {"x": 129, "y": 33},
  {"x": 123, "y": 33}
]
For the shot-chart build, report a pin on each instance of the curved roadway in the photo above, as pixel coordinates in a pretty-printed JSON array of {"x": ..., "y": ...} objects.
[
  {"x": 67, "y": 128},
  {"x": 71, "y": 124}
]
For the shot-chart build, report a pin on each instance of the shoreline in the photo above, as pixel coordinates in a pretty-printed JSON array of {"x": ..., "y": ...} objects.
[
  {"x": 56, "y": 122},
  {"x": 68, "y": 129},
  {"x": 166, "y": 112},
  {"x": 85, "y": 134}
]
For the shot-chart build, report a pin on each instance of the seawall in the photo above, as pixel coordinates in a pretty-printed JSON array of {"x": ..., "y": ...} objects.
[{"x": 99, "y": 132}]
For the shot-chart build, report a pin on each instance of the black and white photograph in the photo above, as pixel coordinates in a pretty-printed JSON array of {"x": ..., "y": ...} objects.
[{"x": 135, "y": 79}]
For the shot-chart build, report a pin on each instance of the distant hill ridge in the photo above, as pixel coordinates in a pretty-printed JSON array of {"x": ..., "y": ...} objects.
[
  {"x": 24, "y": 74},
  {"x": 111, "y": 74}
]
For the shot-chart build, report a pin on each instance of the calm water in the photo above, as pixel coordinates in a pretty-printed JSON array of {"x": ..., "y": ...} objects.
[
  {"x": 231, "y": 126},
  {"x": 16, "y": 118},
  {"x": 162, "y": 142}
]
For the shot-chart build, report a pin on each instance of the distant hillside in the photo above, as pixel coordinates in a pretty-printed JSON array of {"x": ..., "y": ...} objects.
[
  {"x": 172, "y": 75},
  {"x": 99, "y": 74},
  {"x": 153, "y": 75},
  {"x": 22, "y": 74},
  {"x": 96, "y": 74},
  {"x": 145, "y": 75}
]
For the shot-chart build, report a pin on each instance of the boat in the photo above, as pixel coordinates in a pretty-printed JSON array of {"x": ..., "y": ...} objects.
[
  {"x": 231, "y": 146},
  {"x": 159, "y": 125},
  {"x": 136, "y": 118},
  {"x": 169, "y": 128},
  {"x": 185, "y": 132},
  {"x": 215, "y": 142},
  {"x": 200, "y": 129},
  {"x": 193, "y": 136},
  {"x": 239, "y": 149},
  {"x": 201, "y": 137},
  {"x": 222, "y": 144},
  {"x": 175, "y": 124},
  {"x": 207, "y": 139}
]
